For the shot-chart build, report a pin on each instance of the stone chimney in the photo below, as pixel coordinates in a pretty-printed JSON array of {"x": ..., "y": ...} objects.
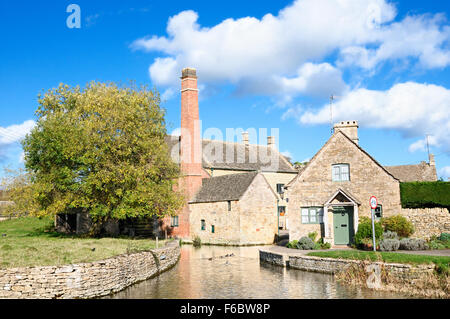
[
  {"x": 431, "y": 160},
  {"x": 245, "y": 138},
  {"x": 190, "y": 141},
  {"x": 349, "y": 128},
  {"x": 271, "y": 142}
]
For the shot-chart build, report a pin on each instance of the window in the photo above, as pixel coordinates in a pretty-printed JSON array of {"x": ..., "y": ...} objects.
[
  {"x": 340, "y": 172},
  {"x": 281, "y": 210},
  {"x": 378, "y": 212},
  {"x": 212, "y": 229},
  {"x": 280, "y": 188},
  {"x": 203, "y": 224},
  {"x": 312, "y": 215},
  {"x": 174, "y": 221},
  {"x": 229, "y": 205}
]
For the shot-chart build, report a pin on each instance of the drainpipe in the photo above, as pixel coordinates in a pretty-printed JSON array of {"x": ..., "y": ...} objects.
[{"x": 278, "y": 220}]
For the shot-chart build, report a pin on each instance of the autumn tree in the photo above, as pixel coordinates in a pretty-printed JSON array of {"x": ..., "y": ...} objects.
[{"x": 101, "y": 149}]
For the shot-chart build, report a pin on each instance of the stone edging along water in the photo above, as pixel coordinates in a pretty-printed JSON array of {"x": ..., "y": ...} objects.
[
  {"x": 333, "y": 266},
  {"x": 87, "y": 280}
]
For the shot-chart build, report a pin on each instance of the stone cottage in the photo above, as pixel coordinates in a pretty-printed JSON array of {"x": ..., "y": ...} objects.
[
  {"x": 234, "y": 209},
  {"x": 333, "y": 190}
]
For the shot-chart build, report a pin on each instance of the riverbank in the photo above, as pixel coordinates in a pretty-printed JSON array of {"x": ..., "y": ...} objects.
[
  {"x": 419, "y": 279},
  {"x": 87, "y": 280},
  {"x": 30, "y": 241}
]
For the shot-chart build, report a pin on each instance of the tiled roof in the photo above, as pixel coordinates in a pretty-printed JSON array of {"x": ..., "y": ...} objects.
[
  {"x": 413, "y": 173},
  {"x": 224, "y": 188},
  {"x": 236, "y": 156}
]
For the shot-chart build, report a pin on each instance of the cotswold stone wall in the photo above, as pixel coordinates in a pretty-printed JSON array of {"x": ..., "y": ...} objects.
[
  {"x": 428, "y": 221},
  {"x": 87, "y": 280},
  {"x": 333, "y": 266}
]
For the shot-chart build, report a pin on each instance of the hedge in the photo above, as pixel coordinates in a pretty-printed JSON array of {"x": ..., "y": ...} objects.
[{"x": 425, "y": 194}]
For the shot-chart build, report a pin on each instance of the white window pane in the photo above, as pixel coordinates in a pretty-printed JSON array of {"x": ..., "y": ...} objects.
[
  {"x": 312, "y": 218},
  {"x": 336, "y": 173},
  {"x": 304, "y": 219},
  {"x": 304, "y": 211}
]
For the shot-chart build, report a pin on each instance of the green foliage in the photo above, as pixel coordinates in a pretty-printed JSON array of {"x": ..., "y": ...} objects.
[
  {"x": 399, "y": 224},
  {"x": 101, "y": 149},
  {"x": 444, "y": 237},
  {"x": 305, "y": 243},
  {"x": 313, "y": 235},
  {"x": 413, "y": 244},
  {"x": 365, "y": 231},
  {"x": 388, "y": 244},
  {"x": 425, "y": 194},
  {"x": 197, "y": 242},
  {"x": 292, "y": 244},
  {"x": 441, "y": 242}
]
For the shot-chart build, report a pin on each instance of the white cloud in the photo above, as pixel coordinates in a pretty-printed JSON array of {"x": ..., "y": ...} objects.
[
  {"x": 444, "y": 172},
  {"x": 412, "y": 108},
  {"x": 281, "y": 54},
  {"x": 14, "y": 133}
]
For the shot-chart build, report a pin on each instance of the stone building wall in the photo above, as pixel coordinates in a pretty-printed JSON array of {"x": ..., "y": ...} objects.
[
  {"x": 315, "y": 186},
  {"x": 428, "y": 221},
  {"x": 252, "y": 220},
  {"x": 87, "y": 280}
]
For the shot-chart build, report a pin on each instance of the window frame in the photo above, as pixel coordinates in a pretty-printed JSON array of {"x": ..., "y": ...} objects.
[
  {"x": 340, "y": 166},
  {"x": 213, "y": 229},
  {"x": 381, "y": 212},
  {"x": 229, "y": 205},
  {"x": 202, "y": 224},
  {"x": 172, "y": 221},
  {"x": 318, "y": 215},
  {"x": 280, "y": 188}
]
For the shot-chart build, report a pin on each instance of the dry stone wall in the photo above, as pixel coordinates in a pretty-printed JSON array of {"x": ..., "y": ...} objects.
[
  {"x": 87, "y": 280},
  {"x": 428, "y": 221}
]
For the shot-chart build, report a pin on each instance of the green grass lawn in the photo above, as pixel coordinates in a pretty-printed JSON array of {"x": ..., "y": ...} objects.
[
  {"x": 31, "y": 241},
  {"x": 389, "y": 257}
]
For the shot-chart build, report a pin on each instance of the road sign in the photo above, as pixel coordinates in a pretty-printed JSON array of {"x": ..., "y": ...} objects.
[{"x": 373, "y": 202}]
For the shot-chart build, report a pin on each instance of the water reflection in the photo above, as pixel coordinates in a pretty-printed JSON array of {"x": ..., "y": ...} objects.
[{"x": 206, "y": 273}]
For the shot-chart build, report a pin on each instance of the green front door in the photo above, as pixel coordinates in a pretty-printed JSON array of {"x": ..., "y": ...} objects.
[{"x": 343, "y": 225}]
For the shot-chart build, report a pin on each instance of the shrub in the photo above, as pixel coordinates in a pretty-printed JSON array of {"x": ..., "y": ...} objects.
[
  {"x": 399, "y": 224},
  {"x": 390, "y": 235},
  {"x": 325, "y": 246},
  {"x": 436, "y": 244},
  {"x": 444, "y": 237},
  {"x": 292, "y": 244},
  {"x": 365, "y": 231},
  {"x": 425, "y": 194},
  {"x": 305, "y": 243},
  {"x": 197, "y": 242},
  {"x": 413, "y": 244},
  {"x": 389, "y": 244},
  {"x": 313, "y": 235}
]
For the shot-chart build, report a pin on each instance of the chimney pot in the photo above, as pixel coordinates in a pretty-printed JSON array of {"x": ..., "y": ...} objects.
[
  {"x": 271, "y": 141},
  {"x": 245, "y": 138}
]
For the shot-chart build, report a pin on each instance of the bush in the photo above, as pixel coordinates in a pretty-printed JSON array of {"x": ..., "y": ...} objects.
[
  {"x": 325, "y": 246},
  {"x": 390, "y": 235},
  {"x": 444, "y": 237},
  {"x": 313, "y": 235},
  {"x": 365, "y": 231},
  {"x": 425, "y": 194},
  {"x": 305, "y": 243},
  {"x": 436, "y": 244},
  {"x": 292, "y": 244},
  {"x": 399, "y": 224},
  {"x": 197, "y": 242},
  {"x": 413, "y": 244},
  {"x": 389, "y": 244}
]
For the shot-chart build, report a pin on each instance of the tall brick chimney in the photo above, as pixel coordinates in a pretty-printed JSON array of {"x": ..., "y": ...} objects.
[
  {"x": 190, "y": 142},
  {"x": 190, "y": 149}
]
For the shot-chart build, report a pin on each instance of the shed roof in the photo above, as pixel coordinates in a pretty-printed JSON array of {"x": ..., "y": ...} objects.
[{"x": 414, "y": 173}]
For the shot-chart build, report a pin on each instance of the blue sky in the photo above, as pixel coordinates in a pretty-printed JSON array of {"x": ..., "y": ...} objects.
[{"x": 270, "y": 65}]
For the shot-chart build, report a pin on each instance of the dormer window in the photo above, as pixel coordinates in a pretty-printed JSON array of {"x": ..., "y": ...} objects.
[{"x": 340, "y": 172}]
